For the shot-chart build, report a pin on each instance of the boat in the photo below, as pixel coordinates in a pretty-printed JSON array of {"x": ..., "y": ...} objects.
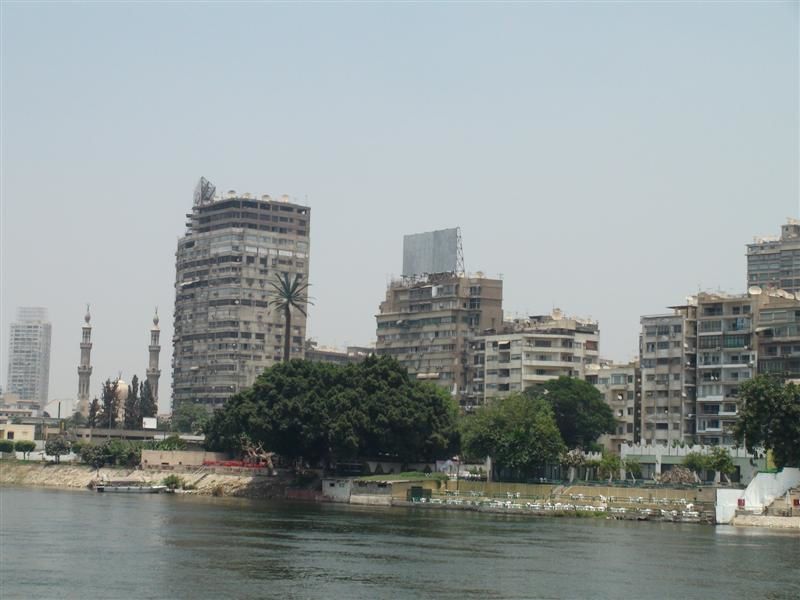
[{"x": 129, "y": 487}]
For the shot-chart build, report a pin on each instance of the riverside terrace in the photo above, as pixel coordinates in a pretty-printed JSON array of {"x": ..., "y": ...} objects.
[{"x": 678, "y": 504}]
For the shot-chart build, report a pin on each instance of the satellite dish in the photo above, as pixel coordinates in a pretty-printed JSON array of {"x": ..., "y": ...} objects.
[{"x": 754, "y": 290}]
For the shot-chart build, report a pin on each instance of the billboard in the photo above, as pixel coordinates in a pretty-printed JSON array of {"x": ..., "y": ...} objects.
[
  {"x": 149, "y": 423},
  {"x": 430, "y": 252}
]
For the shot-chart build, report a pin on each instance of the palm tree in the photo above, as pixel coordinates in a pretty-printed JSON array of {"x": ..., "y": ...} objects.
[{"x": 285, "y": 295}]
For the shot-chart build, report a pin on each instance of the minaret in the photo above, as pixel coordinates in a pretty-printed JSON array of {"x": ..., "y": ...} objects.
[
  {"x": 153, "y": 372},
  {"x": 85, "y": 368}
]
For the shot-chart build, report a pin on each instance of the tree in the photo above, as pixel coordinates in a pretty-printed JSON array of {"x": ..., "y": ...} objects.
[
  {"x": 769, "y": 418},
  {"x": 322, "y": 413},
  {"x": 286, "y": 295},
  {"x": 93, "y": 420},
  {"x": 581, "y": 413},
  {"x": 133, "y": 408},
  {"x": 56, "y": 446},
  {"x": 697, "y": 463},
  {"x": 610, "y": 464},
  {"x": 147, "y": 401},
  {"x": 110, "y": 404},
  {"x": 720, "y": 461},
  {"x": 75, "y": 420},
  {"x": 633, "y": 466},
  {"x": 519, "y": 432},
  {"x": 25, "y": 446},
  {"x": 189, "y": 417},
  {"x": 573, "y": 460},
  {"x": 6, "y": 446}
]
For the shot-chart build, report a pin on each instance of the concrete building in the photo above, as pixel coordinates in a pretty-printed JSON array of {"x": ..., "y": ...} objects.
[
  {"x": 620, "y": 385},
  {"x": 777, "y": 334},
  {"x": 526, "y": 352},
  {"x": 29, "y": 355},
  {"x": 85, "y": 366},
  {"x": 352, "y": 355},
  {"x": 668, "y": 359},
  {"x": 225, "y": 332},
  {"x": 774, "y": 262},
  {"x": 425, "y": 322}
]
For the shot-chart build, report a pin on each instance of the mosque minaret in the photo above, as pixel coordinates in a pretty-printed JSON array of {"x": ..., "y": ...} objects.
[
  {"x": 153, "y": 372},
  {"x": 85, "y": 366}
]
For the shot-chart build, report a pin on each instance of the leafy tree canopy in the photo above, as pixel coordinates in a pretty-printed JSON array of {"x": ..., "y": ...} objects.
[
  {"x": 56, "y": 446},
  {"x": 581, "y": 413},
  {"x": 324, "y": 411},
  {"x": 25, "y": 446},
  {"x": 189, "y": 417},
  {"x": 769, "y": 418},
  {"x": 519, "y": 432}
]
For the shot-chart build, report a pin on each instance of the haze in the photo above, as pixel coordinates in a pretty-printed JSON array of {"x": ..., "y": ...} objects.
[{"x": 608, "y": 159}]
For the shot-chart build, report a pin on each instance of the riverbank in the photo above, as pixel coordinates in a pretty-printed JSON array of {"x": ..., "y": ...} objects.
[
  {"x": 770, "y": 522},
  {"x": 198, "y": 481}
]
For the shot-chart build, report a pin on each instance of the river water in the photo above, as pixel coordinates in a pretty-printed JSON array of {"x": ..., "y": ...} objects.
[{"x": 80, "y": 544}]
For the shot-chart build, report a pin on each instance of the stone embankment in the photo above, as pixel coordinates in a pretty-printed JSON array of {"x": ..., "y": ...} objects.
[
  {"x": 199, "y": 480},
  {"x": 767, "y": 521}
]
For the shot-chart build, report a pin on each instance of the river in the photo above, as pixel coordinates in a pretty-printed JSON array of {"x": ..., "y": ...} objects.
[{"x": 80, "y": 544}]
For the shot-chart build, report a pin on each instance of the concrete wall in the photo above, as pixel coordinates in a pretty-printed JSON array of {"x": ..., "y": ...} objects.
[
  {"x": 18, "y": 432},
  {"x": 759, "y": 494},
  {"x": 337, "y": 490},
  {"x": 371, "y": 499},
  {"x": 156, "y": 458}
]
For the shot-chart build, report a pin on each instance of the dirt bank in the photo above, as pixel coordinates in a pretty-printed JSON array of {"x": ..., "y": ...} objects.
[{"x": 202, "y": 481}]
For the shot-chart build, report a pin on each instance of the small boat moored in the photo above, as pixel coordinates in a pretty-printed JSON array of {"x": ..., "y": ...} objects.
[{"x": 129, "y": 487}]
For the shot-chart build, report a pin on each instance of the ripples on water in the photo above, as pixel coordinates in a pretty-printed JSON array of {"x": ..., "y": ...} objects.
[{"x": 62, "y": 544}]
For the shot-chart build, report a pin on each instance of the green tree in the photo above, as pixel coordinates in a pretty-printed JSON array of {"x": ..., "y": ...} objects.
[
  {"x": 94, "y": 455},
  {"x": 519, "y": 432},
  {"x": 56, "y": 446},
  {"x": 288, "y": 294},
  {"x": 633, "y": 466},
  {"x": 697, "y": 463},
  {"x": 149, "y": 408},
  {"x": 173, "y": 442},
  {"x": 93, "y": 420},
  {"x": 25, "y": 446},
  {"x": 75, "y": 420},
  {"x": 189, "y": 417},
  {"x": 322, "y": 412},
  {"x": 769, "y": 419},
  {"x": 610, "y": 465},
  {"x": 133, "y": 408},
  {"x": 573, "y": 460},
  {"x": 581, "y": 413},
  {"x": 110, "y": 404},
  {"x": 720, "y": 461},
  {"x": 6, "y": 446}
]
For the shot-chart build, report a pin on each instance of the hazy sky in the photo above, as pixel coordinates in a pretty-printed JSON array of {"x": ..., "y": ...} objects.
[{"x": 608, "y": 159}]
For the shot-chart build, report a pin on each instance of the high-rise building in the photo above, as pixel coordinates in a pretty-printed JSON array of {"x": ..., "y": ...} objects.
[
  {"x": 29, "y": 355},
  {"x": 525, "y": 352},
  {"x": 225, "y": 331},
  {"x": 425, "y": 322},
  {"x": 774, "y": 262},
  {"x": 668, "y": 361},
  {"x": 85, "y": 366},
  {"x": 620, "y": 385}
]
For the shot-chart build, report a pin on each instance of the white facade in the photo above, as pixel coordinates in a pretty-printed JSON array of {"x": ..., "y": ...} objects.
[{"x": 29, "y": 355}]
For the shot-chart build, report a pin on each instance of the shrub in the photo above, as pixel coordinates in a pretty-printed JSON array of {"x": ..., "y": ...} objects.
[
  {"x": 25, "y": 446},
  {"x": 6, "y": 445},
  {"x": 174, "y": 482},
  {"x": 57, "y": 447}
]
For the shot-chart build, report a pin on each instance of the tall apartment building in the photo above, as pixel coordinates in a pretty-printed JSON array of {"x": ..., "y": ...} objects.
[
  {"x": 774, "y": 262},
  {"x": 28, "y": 374},
  {"x": 620, "y": 385},
  {"x": 425, "y": 322},
  {"x": 530, "y": 351},
  {"x": 777, "y": 331},
  {"x": 668, "y": 360},
  {"x": 225, "y": 332}
]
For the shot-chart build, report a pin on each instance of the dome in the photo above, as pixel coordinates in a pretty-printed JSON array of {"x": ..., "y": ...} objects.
[{"x": 122, "y": 390}]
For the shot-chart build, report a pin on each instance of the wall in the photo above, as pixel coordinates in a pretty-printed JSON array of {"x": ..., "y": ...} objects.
[
  {"x": 156, "y": 458},
  {"x": 19, "y": 432},
  {"x": 337, "y": 490},
  {"x": 760, "y": 493}
]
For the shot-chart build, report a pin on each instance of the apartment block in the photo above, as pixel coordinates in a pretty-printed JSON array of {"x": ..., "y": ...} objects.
[
  {"x": 530, "y": 351},
  {"x": 226, "y": 333},
  {"x": 620, "y": 385},
  {"x": 777, "y": 331},
  {"x": 774, "y": 262},
  {"x": 28, "y": 374},
  {"x": 668, "y": 360},
  {"x": 425, "y": 323}
]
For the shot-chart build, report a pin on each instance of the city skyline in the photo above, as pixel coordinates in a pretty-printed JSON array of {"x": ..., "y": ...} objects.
[{"x": 571, "y": 164}]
